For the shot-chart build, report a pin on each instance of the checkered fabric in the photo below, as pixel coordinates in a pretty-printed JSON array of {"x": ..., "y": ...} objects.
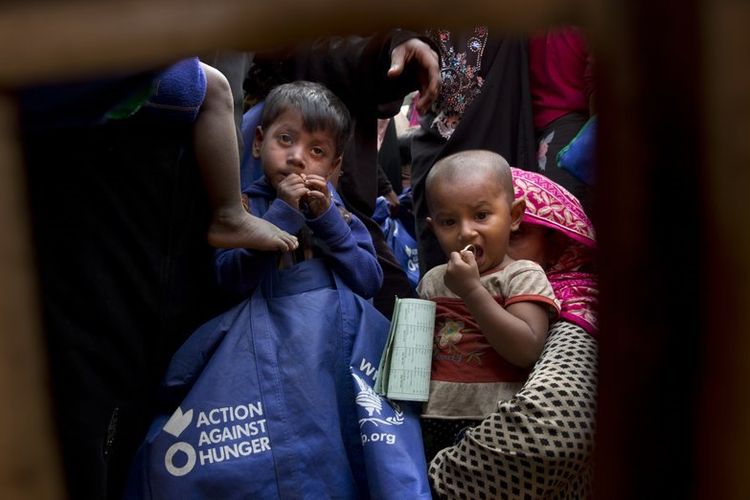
[{"x": 538, "y": 444}]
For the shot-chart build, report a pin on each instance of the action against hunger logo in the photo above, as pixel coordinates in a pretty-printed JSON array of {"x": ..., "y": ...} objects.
[
  {"x": 226, "y": 433},
  {"x": 176, "y": 424}
]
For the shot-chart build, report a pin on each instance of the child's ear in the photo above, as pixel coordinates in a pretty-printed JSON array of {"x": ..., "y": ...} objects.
[
  {"x": 517, "y": 208},
  {"x": 335, "y": 165},
  {"x": 257, "y": 141},
  {"x": 429, "y": 223}
]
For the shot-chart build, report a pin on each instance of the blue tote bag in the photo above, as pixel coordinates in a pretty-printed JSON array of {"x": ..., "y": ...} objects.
[
  {"x": 275, "y": 399},
  {"x": 399, "y": 234}
]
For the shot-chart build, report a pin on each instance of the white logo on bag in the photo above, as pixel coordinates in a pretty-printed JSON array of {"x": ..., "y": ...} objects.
[
  {"x": 413, "y": 254},
  {"x": 368, "y": 399},
  {"x": 226, "y": 433},
  {"x": 177, "y": 423},
  {"x": 189, "y": 452}
]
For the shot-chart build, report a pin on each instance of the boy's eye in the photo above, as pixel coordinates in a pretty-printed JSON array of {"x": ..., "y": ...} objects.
[
  {"x": 482, "y": 215},
  {"x": 285, "y": 138},
  {"x": 318, "y": 152}
]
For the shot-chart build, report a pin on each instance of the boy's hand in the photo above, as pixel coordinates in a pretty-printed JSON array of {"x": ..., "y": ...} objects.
[
  {"x": 393, "y": 204},
  {"x": 318, "y": 198},
  {"x": 462, "y": 274},
  {"x": 292, "y": 189}
]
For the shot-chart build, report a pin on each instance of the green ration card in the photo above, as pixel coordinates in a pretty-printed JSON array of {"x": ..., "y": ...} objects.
[{"x": 404, "y": 371}]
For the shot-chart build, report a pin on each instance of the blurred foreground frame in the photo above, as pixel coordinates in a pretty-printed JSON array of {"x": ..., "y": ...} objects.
[{"x": 673, "y": 95}]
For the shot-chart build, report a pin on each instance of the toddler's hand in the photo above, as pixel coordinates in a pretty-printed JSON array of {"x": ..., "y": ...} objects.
[
  {"x": 292, "y": 189},
  {"x": 462, "y": 274},
  {"x": 318, "y": 198}
]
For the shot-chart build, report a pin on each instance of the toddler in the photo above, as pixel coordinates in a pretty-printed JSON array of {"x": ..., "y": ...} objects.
[{"x": 492, "y": 312}]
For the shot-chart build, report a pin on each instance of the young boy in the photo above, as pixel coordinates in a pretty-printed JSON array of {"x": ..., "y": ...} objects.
[
  {"x": 492, "y": 312},
  {"x": 301, "y": 346},
  {"x": 303, "y": 131}
]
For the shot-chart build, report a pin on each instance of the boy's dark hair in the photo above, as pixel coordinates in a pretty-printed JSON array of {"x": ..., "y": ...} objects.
[{"x": 320, "y": 109}]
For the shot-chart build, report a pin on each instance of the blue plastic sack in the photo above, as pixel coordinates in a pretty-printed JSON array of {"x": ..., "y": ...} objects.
[
  {"x": 579, "y": 155},
  {"x": 399, "y": 234},
  {"x": 275, "y": 399}
]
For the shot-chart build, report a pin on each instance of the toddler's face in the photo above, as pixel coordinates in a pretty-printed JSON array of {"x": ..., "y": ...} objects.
[
  {"x": 470, "y": 210},
  {"x": 287, "y": 147}
]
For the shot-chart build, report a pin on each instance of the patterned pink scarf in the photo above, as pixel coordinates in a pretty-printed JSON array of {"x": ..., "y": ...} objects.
[{"x": 548, "y": 204}]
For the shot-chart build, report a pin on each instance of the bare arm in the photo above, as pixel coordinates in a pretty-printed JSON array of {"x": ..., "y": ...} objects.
[{"x": 517, "y": 332}]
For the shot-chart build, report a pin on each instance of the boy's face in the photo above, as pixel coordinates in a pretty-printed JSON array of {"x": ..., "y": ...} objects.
[
  {"x": 471, "y": 210},
  {"x": 286, "y": 147}
]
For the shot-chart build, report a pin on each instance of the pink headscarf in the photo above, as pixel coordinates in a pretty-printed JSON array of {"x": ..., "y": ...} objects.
[{"x": 548, "y": 204}]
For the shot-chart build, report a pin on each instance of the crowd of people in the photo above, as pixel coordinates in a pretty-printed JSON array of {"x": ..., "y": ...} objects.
[{"x": 147, "y": 240}]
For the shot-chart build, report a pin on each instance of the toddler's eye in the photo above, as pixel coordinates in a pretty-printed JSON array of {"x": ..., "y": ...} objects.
[
  {"x": 285, "y": 138},
  {"x": 318, "y": 152},
  {"x": 482, "y": 215},
  {"x": 447, "y": 222}
]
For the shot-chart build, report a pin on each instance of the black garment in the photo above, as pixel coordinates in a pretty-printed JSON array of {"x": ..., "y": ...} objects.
[
  {"x": 355, "y": 69},
  {"x": 389, "y": 159},
  {"x": 441, "y": 433},
  {"x": 562, "y": 131},
  {"x": 119, "y": 222},
  {"x": 499, "y": 119}
]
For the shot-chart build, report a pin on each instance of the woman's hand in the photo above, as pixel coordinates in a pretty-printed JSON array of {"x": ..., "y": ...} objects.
[{"x": 415, "y": 51}]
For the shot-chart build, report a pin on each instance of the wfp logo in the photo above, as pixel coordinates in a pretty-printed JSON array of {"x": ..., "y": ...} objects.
[
  {"x": 368, "y": 399},
  {"x": 176, "y": 424},
  {"x": 413, "y": 255}
]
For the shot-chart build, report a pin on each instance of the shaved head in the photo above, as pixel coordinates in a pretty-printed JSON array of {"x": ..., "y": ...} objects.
[{"x": 489, "y": 166}]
